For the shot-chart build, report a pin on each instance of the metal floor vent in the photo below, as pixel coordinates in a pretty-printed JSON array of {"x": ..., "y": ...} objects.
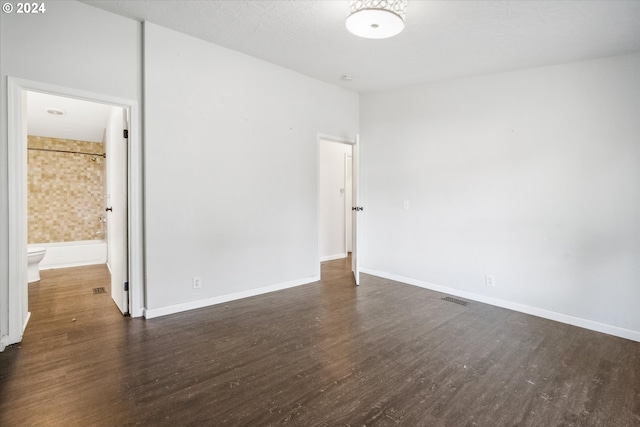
[
  {"x": 455, "y": 300},
  {"x": 100, "y": 290}
]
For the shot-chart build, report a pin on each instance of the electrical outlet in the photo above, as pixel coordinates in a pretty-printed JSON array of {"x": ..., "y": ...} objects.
[
  {"x": 197, "y": 282},
  {"x": 490, "y": 281}
]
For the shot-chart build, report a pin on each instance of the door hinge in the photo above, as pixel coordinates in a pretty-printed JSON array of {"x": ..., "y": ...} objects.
[
  {"x": 125, "y": 133},
  {"x": 126, "y": 286}
]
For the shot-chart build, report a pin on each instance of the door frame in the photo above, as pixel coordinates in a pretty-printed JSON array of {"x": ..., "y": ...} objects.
[
  {"x": 354, "y": 182},
  {"x": 18, "y": 313}
]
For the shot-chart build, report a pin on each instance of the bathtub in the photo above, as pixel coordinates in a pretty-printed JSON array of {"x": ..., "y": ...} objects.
[{"x": 73, "y": 254}]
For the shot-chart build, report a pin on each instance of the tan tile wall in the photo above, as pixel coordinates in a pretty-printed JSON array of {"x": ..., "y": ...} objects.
[{"x": 66, "y": 191}]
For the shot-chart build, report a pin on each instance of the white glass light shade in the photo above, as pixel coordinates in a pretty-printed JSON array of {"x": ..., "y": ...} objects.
[{"x": 376, "y": 19}]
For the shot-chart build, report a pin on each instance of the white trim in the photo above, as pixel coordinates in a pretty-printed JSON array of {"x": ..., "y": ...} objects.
[
  {"x": 137, "y": 282},
  {"x": 26, "y": 321},
  {"x": 331, "y": 138},
  {"x": 4, "y": 342},
  {"x": 17, "y": 88},
  {"x": 535, "y": 311},
  {"x": 319, "y": 267},
  {"x": 17, "y": 176},
  {"x": 192, "y": 305},
  {"x": 332, "y": 257}
]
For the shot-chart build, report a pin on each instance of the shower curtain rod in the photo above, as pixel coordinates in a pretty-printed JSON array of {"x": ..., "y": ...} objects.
[{"x": 71, "y": 152}]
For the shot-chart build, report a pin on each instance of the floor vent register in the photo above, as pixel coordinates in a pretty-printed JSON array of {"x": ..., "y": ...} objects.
[{"x": 455, "y": 300}]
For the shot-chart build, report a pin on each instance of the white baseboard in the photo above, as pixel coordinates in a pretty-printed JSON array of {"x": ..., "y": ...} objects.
[
  {"x": 163, "y": 311},
  {"x": 72, "y": 264},
  {"x": 332, "y": 257},
  {"x": 535, "y": 311},
  {"x": 6, "y": 341},
  {"x": 26, "y": 321}
]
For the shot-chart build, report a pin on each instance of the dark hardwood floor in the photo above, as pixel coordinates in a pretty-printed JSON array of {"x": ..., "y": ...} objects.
[{"x": 328, "y": 353}]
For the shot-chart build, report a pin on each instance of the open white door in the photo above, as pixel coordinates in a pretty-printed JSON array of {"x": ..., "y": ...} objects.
[
  {"x": 355, "y": 265},
  {"x": 116, "y": 207}
]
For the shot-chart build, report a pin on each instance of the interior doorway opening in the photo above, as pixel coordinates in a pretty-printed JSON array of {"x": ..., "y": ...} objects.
[
  {"x": 14, "y": 310},
  {"x": 77, "y": 187},
  {"x": 337, "y": 200}
]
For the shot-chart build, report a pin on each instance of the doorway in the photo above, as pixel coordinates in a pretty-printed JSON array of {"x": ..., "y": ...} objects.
[
  {"x": 19, "y": 89},
  {"x": 337, "y": 200},
  {"x": 77, "y": 185}
]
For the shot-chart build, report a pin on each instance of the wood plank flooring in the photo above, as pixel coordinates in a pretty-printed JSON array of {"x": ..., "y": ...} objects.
[{"x": 324, "y": 354}]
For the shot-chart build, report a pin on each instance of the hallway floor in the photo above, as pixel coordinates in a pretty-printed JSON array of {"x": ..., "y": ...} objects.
[{"x": 323, "y": 354}]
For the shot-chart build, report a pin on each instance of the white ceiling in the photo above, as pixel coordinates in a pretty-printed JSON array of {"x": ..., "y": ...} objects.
[
  {"x": 82, "y": 121},
  {"x": 442, "y": 39}
]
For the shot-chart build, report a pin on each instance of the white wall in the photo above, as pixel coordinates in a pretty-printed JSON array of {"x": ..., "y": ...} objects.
[
  {"x": 71, "y": 45},
  {"x": 531, "y": 176},
  {"x": 231, "y": 170},
  {"x": 333, "y": 199}
]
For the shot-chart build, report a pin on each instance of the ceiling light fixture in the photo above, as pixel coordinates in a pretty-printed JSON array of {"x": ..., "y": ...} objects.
[{"x": 376, "y": 19}]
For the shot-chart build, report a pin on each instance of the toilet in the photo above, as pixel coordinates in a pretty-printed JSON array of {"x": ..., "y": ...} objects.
[{"x": 34, "y": 256}]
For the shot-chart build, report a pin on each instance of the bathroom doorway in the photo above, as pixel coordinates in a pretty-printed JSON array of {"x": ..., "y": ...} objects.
[
  {"x": 77, "y": 185},
  {"x": 126, "y": 114}
]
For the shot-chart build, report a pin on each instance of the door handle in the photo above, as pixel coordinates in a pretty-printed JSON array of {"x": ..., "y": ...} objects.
[
  {"x": 357, "y": 208},
  {"x": 109, "y": 209}
]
